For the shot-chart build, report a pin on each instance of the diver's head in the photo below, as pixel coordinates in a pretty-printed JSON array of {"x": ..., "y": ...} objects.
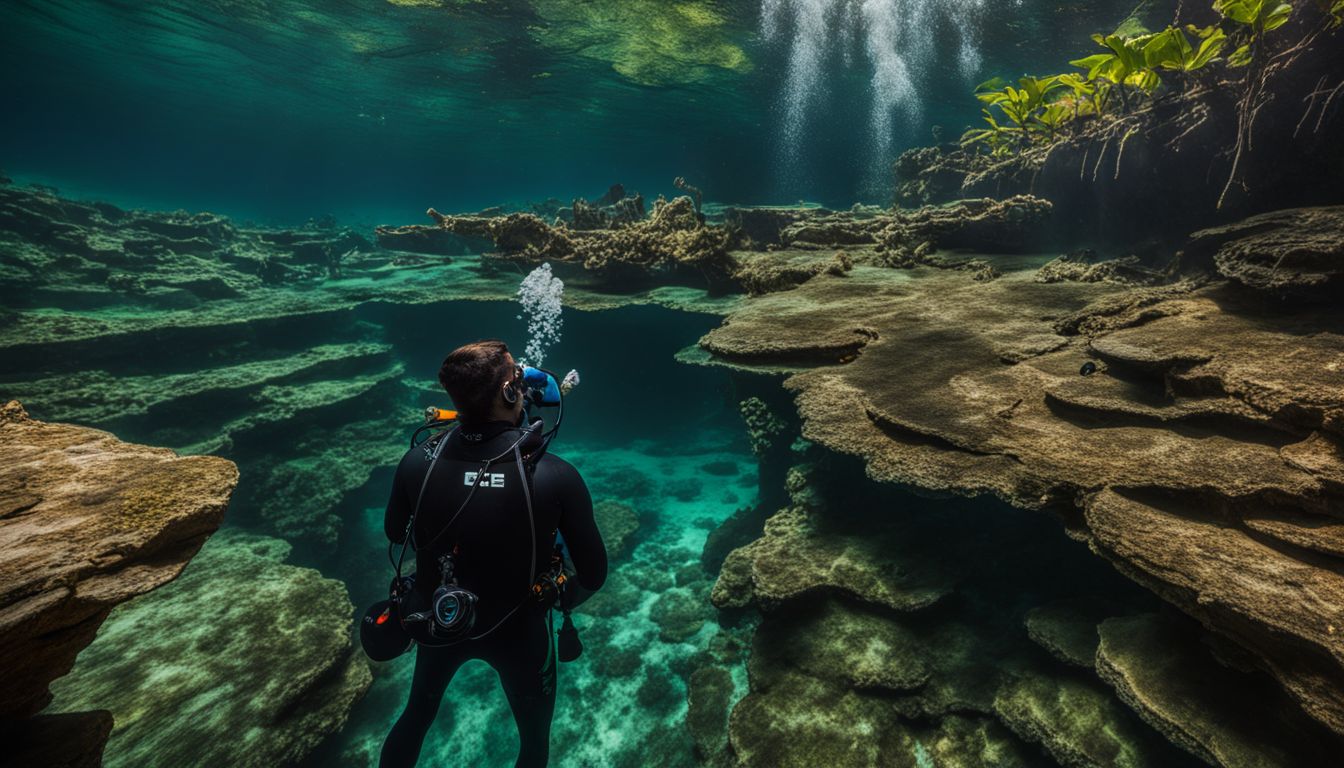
[{"x": 484, "y": 382}]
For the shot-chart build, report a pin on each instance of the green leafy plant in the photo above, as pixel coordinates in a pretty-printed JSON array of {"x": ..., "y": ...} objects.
[
  {"x": 1025, "y": 107},
  {"x": 1085, "y": 97},
  {"x": 1040, "y": 109},
  {"x": 1171, "y": 49},
  {"x": 1123, "y": 64},
  {"x": 1259, "y": 16},
  {"x": 998, "y": 139}
]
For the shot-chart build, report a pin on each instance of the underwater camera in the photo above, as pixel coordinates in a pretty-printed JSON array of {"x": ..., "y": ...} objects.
[
  {"x": 391, "y": 627},
  {"x": 451, "y": 613}
]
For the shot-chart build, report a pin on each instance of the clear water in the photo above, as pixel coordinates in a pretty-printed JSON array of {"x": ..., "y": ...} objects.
[{"x": 371, "y": 111}]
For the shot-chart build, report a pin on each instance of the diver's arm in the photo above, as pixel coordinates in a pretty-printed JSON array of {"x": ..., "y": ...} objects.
[
  {"x": 398, "y": 514},
  {"x": 580, "y": 529}
]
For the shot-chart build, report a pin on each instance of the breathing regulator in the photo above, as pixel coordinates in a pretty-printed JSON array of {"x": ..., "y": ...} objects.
[{"x": 391, "y": 627}]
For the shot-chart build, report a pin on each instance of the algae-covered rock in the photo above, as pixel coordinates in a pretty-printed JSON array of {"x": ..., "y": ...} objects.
[
  {"x": 1068, "y": 629},
  {"x": 1078, "y": 267},
  {"x": 243, "y": 652},
  {"x": 709, "y": 693},
  {"x": 850, "y": 645},
  {"x": 671, "y": 245},
  {"x": 795, "y": 558},
  {"x": 1222, "y": 716},
  {"x": 1203, "y": 396},
  {"x": 1286, "y": 611},
  {"x": 1079, "y": 723},
  {"x": 1293, "y": 253},
  {"x": 617, "y": 522},
  {"x": 802, "y": 721},
  {"x": 680, "y": 613}
]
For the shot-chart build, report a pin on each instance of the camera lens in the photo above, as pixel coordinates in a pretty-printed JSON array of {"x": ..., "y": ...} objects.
[{"x": 447, "y": 609}]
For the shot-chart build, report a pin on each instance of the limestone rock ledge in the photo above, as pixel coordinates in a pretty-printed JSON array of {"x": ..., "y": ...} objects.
[
  {"x": 1204, "y": 457},
  {"x": 87, "y": 522}
]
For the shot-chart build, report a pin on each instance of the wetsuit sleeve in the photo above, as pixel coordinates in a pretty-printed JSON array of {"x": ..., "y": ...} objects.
[
  {"x": 580, "y": 529},
  {"x": 398, "y": 514}
]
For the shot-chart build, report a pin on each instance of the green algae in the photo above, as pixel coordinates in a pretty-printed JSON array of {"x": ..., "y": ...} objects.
[
  {"x": 649, "y": 42},
  {"x": 242, "y": 652}
]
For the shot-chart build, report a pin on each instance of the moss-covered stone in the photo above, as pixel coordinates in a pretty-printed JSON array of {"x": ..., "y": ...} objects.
[
  {"x": 709, "y": 693},
  {"x": 1224, "y": 717},
  {"x": 1068, "y": 629},
  {"x": 242, "y": 652},
  {"x": 680, "y": 613},
  {"x": 1079, "y": 723},
  {"x": 617, "y": 522},
  {"x": 852, "y": 646},
  {"x": 87, "y": 522},
  {"x": 796, "y": 557}
]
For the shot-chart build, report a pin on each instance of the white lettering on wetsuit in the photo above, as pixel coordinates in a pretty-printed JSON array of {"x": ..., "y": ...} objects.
[{"x": 492, "y": 480}]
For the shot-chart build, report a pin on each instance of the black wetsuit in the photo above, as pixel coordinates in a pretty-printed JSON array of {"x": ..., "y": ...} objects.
[{"x": 494, "y": 543}]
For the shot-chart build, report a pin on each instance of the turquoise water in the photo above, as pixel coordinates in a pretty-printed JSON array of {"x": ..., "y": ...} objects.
[{"x": 371, "y": 111}]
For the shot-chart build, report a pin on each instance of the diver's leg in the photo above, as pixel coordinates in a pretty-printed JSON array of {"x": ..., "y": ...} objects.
[
  {"x": 527, "y": 673},
  {"x": 434, "y": 669}
]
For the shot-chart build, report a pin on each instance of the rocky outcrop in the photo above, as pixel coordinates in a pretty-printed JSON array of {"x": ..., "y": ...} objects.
[
  {"x": 758, "y": 227},
  {"x": 91, "y": 279},
  {"x": 419, "y": 238},
  {"x": 672, "y": 244},
  {"x": 781, "y": 270},
  {"x": 985, "y": 225},
  {"x": 87, "y": 522},
  {"x": 1080, "y": 267},
  {"x": 1077, "y": 722},
  {"x": 975, "y": 224},
  {"x": 243, "y": 652},
  {"x": 1220, "y": 715},
  {"x": 1068, "y": 629},
  {"x": 617, "y": 522},
  {"x": 837, "y": 677},
  {"x": 1291, "y": 254},
  {"x": 1203, "y": 457},
  {"x": 796, "y": 558}
]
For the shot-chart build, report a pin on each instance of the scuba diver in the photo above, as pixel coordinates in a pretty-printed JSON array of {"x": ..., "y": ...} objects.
[{"x": 481, "y": 505}]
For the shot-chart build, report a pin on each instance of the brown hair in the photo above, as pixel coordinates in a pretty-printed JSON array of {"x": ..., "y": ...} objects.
[{"x": 472, "y": 374}]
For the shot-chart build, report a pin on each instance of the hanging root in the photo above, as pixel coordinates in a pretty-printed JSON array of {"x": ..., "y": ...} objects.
[
  {"x": 1310, "y": 98},
  {"x": 1097, "y": 168},
  {"x": 1203, "y": 117},
  {"x": 1121, "y": 153},
  {"x": 1258, "y": 94},
  {"x": 1320, "y": 119}
]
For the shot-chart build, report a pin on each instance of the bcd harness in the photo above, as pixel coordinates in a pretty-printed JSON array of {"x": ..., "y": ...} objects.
[{"x": 451, "y": 615}]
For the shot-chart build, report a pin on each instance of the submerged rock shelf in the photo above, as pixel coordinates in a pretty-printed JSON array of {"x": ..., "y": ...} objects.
[{"x": 1202, "y": 458}]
